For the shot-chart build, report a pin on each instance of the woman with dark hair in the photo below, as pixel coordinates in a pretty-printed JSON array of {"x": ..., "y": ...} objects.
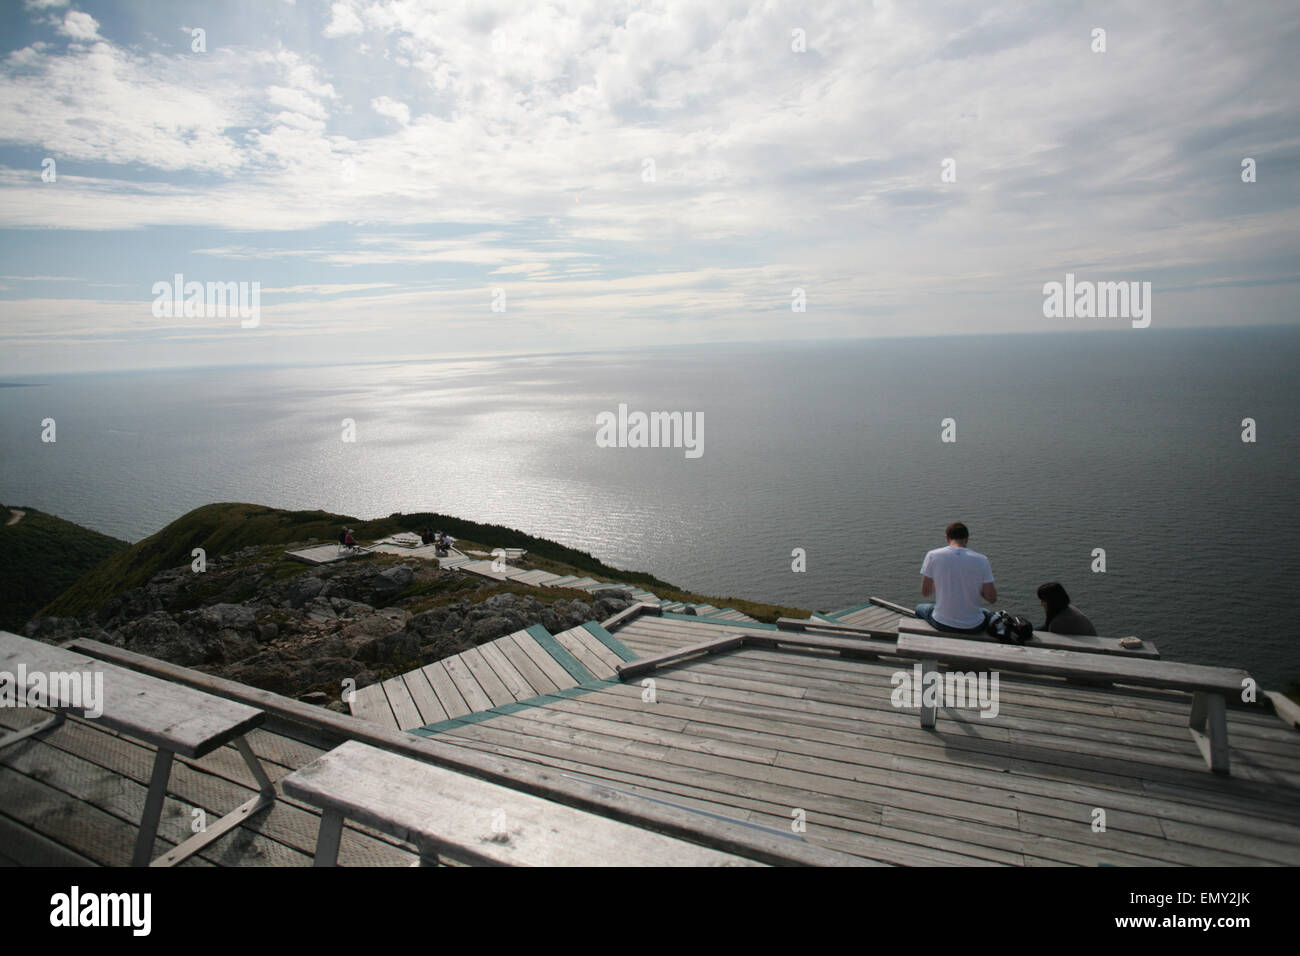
[{"x": 1062, "y": 616}]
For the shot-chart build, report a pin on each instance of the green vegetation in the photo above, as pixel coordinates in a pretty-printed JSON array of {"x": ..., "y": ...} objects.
[
  {"x": 40, "y": 557},
  {"x": 228, "y": 527}
]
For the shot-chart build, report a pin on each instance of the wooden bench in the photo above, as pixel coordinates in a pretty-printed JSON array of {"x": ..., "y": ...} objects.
[
  {"x": 449, "y": 814},
  {"x": 172, "y": 718},
  {"x": 1210, "y": 686},
  {"x": 1083, "y": 643}
]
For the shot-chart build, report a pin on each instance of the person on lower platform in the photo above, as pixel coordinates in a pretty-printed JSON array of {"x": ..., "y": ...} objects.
[
  {"x": 957, "y": 578},
  {"x": 1062, "y": 616}
]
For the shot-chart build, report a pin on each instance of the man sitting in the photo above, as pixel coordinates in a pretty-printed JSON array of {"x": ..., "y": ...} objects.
[{"x": 957, "y": 578}]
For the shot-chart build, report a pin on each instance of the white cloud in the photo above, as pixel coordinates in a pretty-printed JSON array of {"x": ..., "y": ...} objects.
[
  {"x": 385, "y": 106},
  {"x": 343, "y": 21},
  {"x": 80, "y": 26}
]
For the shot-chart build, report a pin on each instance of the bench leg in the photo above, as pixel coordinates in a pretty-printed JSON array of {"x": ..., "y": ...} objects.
[
  {"x": 928, "y": 714},
  {"x": 153, "y": 804},
  {"x": 54, "y": 720},
  {"x": 327, "y": 842},
  {"x": 265, "y": 797},
  {"x": 1209, "y": 727}
]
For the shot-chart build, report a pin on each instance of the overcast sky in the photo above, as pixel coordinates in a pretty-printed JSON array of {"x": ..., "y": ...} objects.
[{"x": 380, "y": 168}]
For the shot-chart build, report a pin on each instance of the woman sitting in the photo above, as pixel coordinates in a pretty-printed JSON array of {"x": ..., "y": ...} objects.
[{"x": 1062, "y": 616}]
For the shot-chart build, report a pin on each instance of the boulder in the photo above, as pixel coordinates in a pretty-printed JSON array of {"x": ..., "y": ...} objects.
[{"x": 304, "y": 589}]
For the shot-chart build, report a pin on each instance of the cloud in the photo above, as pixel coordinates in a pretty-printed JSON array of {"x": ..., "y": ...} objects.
[
  {"x": 343, "y": 21},
  {"x": 386, "y": 106},
  {"x": 80, "y": 26}
]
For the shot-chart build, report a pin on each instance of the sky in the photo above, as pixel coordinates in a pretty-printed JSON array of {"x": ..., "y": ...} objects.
[{"x": 409, "y": 179}]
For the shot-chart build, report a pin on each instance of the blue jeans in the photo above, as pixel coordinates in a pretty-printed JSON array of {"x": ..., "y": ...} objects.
[{"x": 926, "y": 613}]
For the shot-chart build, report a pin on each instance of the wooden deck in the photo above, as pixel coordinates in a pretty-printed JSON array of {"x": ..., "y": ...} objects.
[
  {"x": 513, "y": 668},
  {"x": 755, "y": 735},
  {"x": 735, "y": 746},
  {"x": 74, "y": 795}
]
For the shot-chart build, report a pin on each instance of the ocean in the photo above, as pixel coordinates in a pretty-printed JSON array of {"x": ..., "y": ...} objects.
[{"x": 1127, "y": 441}]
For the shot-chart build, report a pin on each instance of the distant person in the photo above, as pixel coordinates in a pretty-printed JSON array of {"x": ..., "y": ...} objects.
[
  {"x": 1062, "y": 616},
  {"x": 957, "y": 578},
  {"x": 348, "y": 540}
]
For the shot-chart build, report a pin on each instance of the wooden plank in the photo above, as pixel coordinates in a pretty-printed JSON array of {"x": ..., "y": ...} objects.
[
  {"x": 371, "y": 703},
  {"x": 467, "y": 684},
  {"x": 399, "y": 698},
  {"x": 1083, "y": 643},
  {"x": 183, "y": 720},
  {"x": 1034, "y": 660},
  {"x": 573, "y": 641},
  {"x": 25, "y": 847},
  {"x": 809, "y": 639},
  {"x": 601, "y": 651},
  {"x": 630, "y": 614},
  {"x": 890, "y": 605},
  {"x": 422, "y": 694},
  {"x": 548, "y": 664},
  {"x": 515, "y": 683},
  {"x": 523, "y": 664},
  {"x": 453, "y": 702},
  {"x": 487, "y": 678},
  {"x": 634, "y": 669},
  {"x": 480, "y": 822}
]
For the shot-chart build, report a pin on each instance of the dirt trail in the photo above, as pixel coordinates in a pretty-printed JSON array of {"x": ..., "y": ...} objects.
[{"x": 14, "y": 516}]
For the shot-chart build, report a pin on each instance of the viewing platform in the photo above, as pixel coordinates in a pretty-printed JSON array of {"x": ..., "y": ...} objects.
[{"x": 738, "y": 737}]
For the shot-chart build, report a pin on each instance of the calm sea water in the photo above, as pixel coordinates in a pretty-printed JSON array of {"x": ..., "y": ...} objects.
[{"x": 1127, "y": 441}]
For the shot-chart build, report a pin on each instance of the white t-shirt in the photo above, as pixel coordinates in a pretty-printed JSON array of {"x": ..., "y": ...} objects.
[{"x": 958, "y": 574}]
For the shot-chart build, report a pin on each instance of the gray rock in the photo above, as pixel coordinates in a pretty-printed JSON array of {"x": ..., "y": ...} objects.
[
  {"x": 159, "y": 636},
  {"x": 304, "y": 589},
  {"x": 228, "y": 615},
  {"x": 490, "y": 628}
]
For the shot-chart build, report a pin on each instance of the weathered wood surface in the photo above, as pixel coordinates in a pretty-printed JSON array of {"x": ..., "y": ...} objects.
[
  {"x": 90, "y": 787},
  {"x": 633, "y": 669},
  {"x": 326, "y": 554},
  {"x": 1084, "y": 643},
  {"x": 474, "y": 821},
  {"x": 179, "y": 719},
  {"x": 833, "y": 627},
  {"x": 514, "y": 773},
  {"x": 1034, "y": 660}
]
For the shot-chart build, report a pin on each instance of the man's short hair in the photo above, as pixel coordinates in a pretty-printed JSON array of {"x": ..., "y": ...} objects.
[{"x": 957, "y": 532}]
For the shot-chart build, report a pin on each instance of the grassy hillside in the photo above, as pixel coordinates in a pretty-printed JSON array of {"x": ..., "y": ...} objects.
[
  {"x": 40, "y": 557},
  {"x": 227, "y": 527}
]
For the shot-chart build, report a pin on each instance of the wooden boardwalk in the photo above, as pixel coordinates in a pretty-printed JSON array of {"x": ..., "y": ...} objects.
[
  {"x": 766, "y": 736},
  {"x": 74, "y": 795},
  {"x": 801, "y": 747},
  {"x": 514, "y": 668}
]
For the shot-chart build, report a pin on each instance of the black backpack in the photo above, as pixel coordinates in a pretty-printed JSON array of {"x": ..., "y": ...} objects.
[{"x": 1010, "y": 629}]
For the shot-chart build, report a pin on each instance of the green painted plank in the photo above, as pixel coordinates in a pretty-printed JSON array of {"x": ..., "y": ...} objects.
[
  {"x": 610, "y": 641},
  {"x": 506, "y": 709},
  {"x": 836, "y": 615},
  {"x": 566, "y": 660}
]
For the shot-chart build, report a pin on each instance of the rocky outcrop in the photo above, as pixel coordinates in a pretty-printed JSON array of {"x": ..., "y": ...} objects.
[{"x": 304, "y": 633}]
